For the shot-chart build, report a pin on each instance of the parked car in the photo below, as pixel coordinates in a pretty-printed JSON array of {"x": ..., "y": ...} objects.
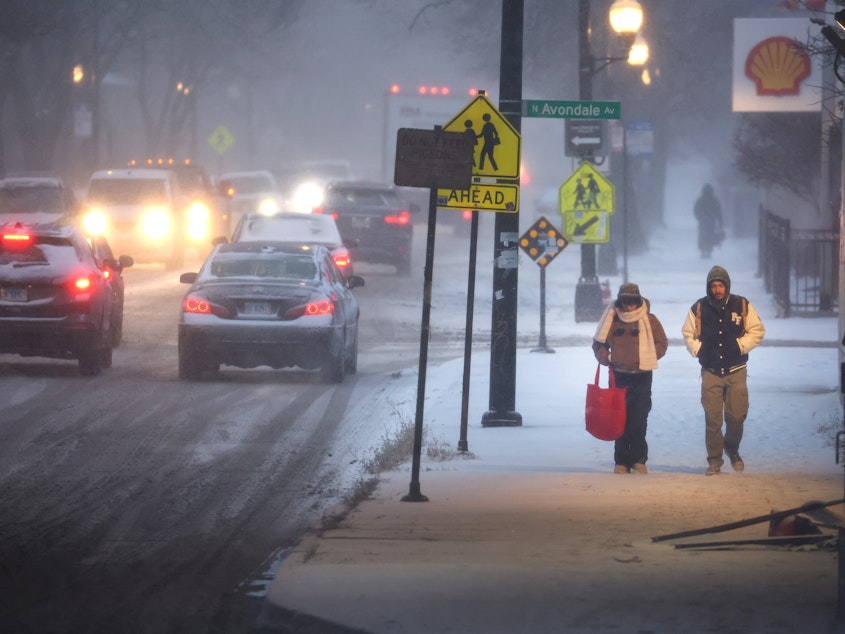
[
  {"x": 139, "y": 211},
  {"x": 269, "y": 303},
  {"x": 56, "y": 300},
  {"x": 253, "y": 191},
  {"x": 296, "y": 228},
  {"x": 33, "y": 199},
  {"x": 374, "y": 221}
]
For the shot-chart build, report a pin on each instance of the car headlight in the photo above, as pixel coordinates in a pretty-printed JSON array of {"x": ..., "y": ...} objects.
[
  {"x": 268, "y": 206},
  {"x": 306, "y": 197},
  {"x": 196, "y": 218},
  {"x": 94, "y": 222},
  {"x": 156, "y": 223}
]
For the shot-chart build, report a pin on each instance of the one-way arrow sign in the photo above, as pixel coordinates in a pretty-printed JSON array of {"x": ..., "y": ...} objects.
[{"x": 584, "y": 136}]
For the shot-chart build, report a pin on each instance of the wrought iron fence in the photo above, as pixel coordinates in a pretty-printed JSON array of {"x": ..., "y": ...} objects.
[{"x": 800, "y": 267}]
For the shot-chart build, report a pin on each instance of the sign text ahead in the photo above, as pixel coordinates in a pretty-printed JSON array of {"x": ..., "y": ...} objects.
[
  {"x": 572, "y": 109},
  {"x": 482, "y": 197}
]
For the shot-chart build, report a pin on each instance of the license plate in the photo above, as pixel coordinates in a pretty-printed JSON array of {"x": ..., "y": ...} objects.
[
  {"x": 13, "y": 294},
  {"x": 361, "y": 222},
  {"x": 257, "y": 308}
]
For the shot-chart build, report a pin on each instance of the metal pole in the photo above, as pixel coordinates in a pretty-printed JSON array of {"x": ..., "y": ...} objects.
[
  {"x": 588, "y": 303},
  {"x": 414, "y": 494},
  {"x": 626, "y": 207},
  {"x": 463, "y": 445},
  {"x": 541, "y": 344},
  {"x": 503, "y": 331}
]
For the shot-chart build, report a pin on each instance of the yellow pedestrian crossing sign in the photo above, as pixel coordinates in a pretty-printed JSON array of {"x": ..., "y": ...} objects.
[
  {"x": 587, "y": 190},
  {"x": 496, "y": 142}
]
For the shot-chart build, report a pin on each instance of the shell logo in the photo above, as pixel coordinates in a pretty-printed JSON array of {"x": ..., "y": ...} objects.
[{"x": 777, "y": 66}]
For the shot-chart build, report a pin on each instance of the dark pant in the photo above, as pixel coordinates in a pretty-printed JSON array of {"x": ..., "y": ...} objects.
[{"x": 631, "y": 448}]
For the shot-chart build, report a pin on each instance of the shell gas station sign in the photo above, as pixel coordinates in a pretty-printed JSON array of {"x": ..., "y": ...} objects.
[{"x": 771, "y": 72}]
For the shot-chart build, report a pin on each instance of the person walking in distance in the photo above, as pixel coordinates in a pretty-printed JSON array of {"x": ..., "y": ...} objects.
[
  {"x": 720, "y": 330},
  {"x": 708, "y": 212},
  {"x": 630, "y": 340}
]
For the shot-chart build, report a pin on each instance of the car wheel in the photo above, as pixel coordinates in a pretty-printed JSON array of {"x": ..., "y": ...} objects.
[
  {"x": 116, "y": 330},
  {"x": 332, "y": 369},
  {"x": 106, "y": 357},
  {"x": 352, "y": 358},
  {"x": 90, "y": 362},
  {"x": 189, "y": 366}
]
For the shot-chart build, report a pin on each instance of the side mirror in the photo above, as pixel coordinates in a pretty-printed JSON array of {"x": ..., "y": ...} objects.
[
  {"x": 354, "y": 281},
  {"x": 125, "y": 261},
  {"x": 188, "y": 278},
  {"x": 219, "y": 240}
]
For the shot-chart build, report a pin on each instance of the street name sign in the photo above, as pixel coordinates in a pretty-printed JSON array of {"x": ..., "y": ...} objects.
[
  {"x": 432, "y": 158},
  {"x": 572, "y": 109},
  {"x": 501, "y": 197}
]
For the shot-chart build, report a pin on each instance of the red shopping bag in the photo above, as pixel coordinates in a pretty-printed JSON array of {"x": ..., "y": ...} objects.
[{"x": 605, "y": 411}]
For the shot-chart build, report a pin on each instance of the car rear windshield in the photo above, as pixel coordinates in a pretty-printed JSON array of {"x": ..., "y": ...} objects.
[
  {"x": 251, "y": 184},
  {"x": 57, "y": 251},
  {"x": 31, "y": 200},
  {"x": 363, "y": 197},
  {"x": 295, "y": 228},
  {"x": 253, "y": 265},
  {"x": 127, "y": 191}
]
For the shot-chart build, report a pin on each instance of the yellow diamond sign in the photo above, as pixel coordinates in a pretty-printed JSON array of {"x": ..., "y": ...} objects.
[{"x": 496, "y": 142}]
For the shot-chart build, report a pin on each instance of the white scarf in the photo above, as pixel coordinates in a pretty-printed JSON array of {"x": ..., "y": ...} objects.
[{"x": 648, "y": 354}]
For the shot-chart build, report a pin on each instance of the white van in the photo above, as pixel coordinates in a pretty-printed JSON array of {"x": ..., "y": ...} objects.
[{"x": 140, "y": 213}]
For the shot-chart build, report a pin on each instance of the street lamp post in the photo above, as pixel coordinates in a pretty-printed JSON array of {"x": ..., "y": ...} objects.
[{"x": 626, "y": 18}]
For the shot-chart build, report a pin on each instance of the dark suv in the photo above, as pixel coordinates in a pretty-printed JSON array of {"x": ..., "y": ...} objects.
[
  {"x": 374, "y": 222},
  {"x": 56, "y": 299}
]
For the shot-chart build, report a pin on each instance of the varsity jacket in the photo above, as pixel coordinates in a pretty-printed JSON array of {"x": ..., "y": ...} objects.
[{"x": 722, "y": 336}]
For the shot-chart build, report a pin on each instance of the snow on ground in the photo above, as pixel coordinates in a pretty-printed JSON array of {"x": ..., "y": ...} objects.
[{"x": 794, "y": 410}]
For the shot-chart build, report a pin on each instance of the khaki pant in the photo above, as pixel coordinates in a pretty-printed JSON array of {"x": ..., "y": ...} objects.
[{"x": 723, "y": 398}]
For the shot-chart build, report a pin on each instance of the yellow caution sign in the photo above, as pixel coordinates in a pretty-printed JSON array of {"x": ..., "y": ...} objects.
[
  {"x": 496, "y": 142},
  {"x": 587, "y": 190}
]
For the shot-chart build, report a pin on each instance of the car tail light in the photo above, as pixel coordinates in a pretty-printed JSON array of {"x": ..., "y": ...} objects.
[
  {"x": 341, "y": 259},
  {"x": 81, "y": 288},
  {"x": 107, "y": 274},
  {"x": 322, "y": 307},
  {"x": 466, "y": 214},
  {"x": 320, "y": 210},
  {"x": 402, "y": 218},
  {"x": 19, "y": 240},
  {"x": 199, "y": 306}
]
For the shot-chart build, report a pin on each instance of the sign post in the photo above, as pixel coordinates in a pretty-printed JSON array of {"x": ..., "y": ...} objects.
[
  {"x": 440, "y": 159},
  {"x": 543, "y": 242}
]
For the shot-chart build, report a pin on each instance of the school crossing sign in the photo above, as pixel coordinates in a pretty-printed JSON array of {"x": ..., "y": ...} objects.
[
  {"x": 586, "y": 201},
  {"x": 496, "y": 155}
]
